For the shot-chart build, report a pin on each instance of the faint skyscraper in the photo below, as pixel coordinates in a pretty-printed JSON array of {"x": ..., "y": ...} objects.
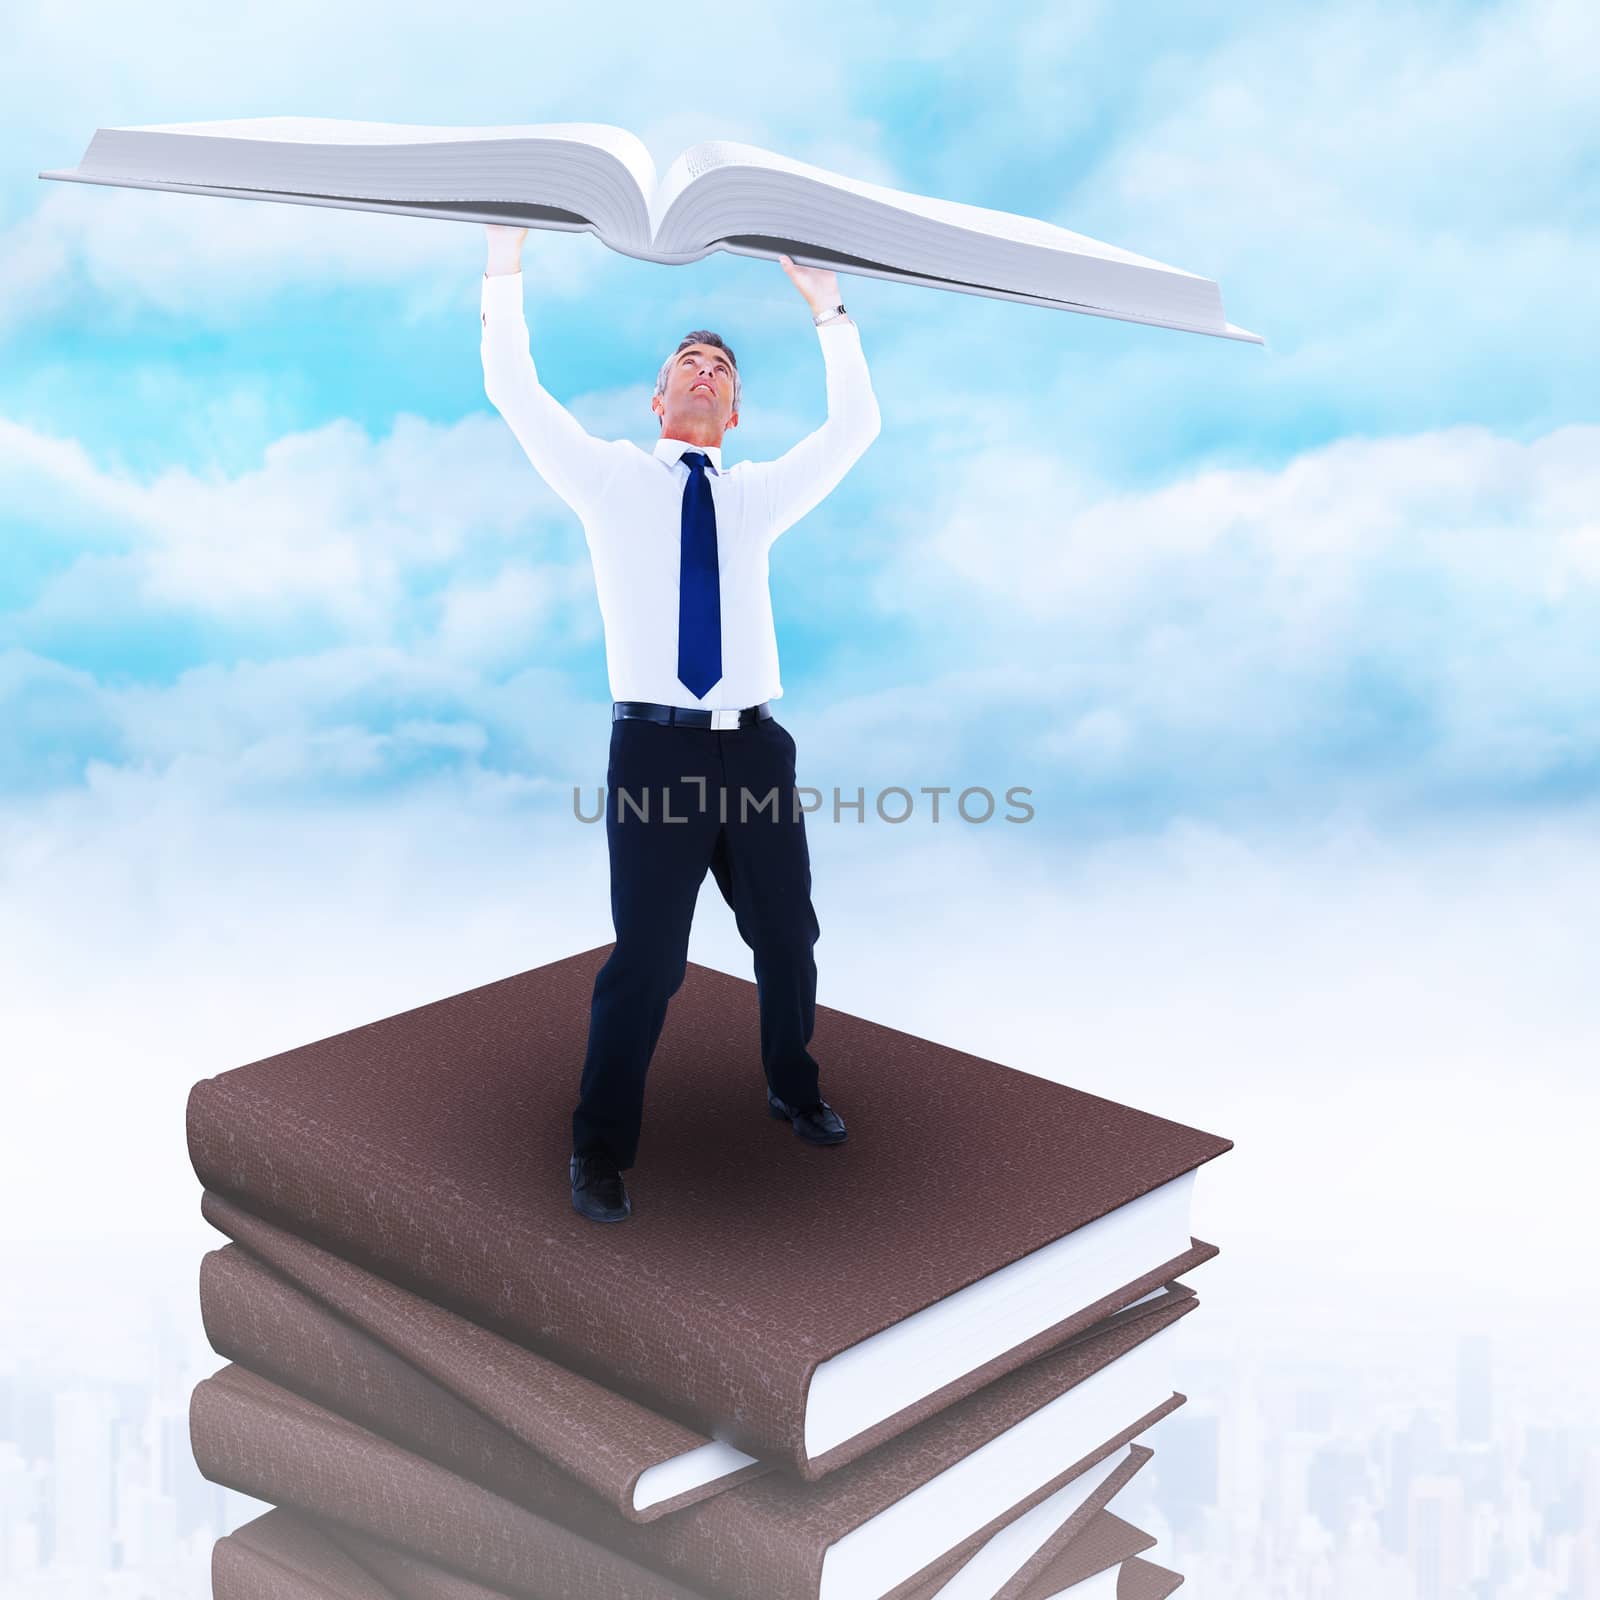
[
  {"x": 1188, "y": 1462},
  {"x": 16, "y": 1509},
  {"x": 33, "y": 1415},
  {"x": 1338, "y": 1482},
  {"x": 1414, "y": 1452},
  {"x": 10, "y": 1408},
  {"x": 1474, "y": 1390},
  {"x": 1363, "y": 1569},
  {"x": 1438, "y": 1538},
  {"x": 1551, "y": 1463},
  {"x": 1242, "y": 1473},
  {"x": 1314, "y": 1408},
  {"x": 82, "y": 1480},
  {"x": 1585, "y": 1554},
  {"x": 201, "y": 1505}
]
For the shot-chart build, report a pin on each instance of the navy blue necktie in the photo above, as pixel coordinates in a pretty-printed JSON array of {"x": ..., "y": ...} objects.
[{"x": 699, "y": 597}]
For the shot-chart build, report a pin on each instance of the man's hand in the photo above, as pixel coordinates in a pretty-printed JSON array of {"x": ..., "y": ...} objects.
[
  {"x": 821, "y": 288},
  {"x": 505, "y": 248}
]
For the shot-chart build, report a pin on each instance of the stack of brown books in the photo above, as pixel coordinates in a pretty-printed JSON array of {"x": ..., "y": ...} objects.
[{"x": 915, "y": 1364}]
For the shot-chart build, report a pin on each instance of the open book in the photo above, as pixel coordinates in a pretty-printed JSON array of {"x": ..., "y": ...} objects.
[{"x": 717, "y": 195}]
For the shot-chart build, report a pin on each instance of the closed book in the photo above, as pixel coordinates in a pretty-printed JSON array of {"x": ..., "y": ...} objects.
[
  {"x": 384, "y": 1450},
  {"x": 1084, "y": 1563},
  {"x": 1034, "y": 1550},
  {"x": 1137, "y": 1579},
  {"x": 801, "y": 1304},
  {"x": 641, "y": 1463},
  {"x": 1085, "y": 1567},
  {"x": 285, "y": 1555},
  {"x": 719, "y": 194}
]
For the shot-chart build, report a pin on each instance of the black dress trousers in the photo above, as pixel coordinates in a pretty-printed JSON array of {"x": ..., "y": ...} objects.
[{"x": 759, "y": 858}]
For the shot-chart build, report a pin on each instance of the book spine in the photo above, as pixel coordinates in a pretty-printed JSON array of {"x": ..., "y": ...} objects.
[
  {"x": 471, "y": 1253},
  {"x": 239, "y": 1572},
  {"x": 294, "y": 1545},
  {"x": 276, "y": 1455},
  {"x": 767, "y": 1539},
  {"x": 407, "y": 1576},
  {"x": 600, "y": 1438},
  {"x": 270, "y": 1328}
]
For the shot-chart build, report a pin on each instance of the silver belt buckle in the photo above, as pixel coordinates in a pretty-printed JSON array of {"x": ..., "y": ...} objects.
[{"x": 725, "y": 718}]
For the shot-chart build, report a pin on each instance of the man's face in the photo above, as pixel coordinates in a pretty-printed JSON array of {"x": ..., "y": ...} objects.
[{"x": 699, "y": 386}]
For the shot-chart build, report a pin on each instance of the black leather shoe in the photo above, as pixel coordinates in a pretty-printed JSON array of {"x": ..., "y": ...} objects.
[
  {"x": 597, "y": 1189},
  {"x": 819, "y": 1124}
]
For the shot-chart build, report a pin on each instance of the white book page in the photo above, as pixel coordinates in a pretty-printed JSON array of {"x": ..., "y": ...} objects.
[
  {"x": 999, "y": 1560},
  {"x": 618, "y": 143},
  {"x": 718, "y": 153}
]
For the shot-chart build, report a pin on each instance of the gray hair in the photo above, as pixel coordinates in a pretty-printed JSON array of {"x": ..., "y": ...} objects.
[{"x": 700, "y": 336}]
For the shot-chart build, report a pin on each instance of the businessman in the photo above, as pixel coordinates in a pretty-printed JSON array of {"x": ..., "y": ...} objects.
[{"x": 680, "y": 545}]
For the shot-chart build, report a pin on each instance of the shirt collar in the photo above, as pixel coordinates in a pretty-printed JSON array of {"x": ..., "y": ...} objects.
[{"x": 669, "y": 450}]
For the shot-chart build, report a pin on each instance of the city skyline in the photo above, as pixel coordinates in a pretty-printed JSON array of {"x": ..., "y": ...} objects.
[{"x": 1307, "y": 1477}]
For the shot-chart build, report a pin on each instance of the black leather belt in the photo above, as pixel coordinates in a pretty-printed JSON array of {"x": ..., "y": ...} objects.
[{"x": 691, "y": 716}]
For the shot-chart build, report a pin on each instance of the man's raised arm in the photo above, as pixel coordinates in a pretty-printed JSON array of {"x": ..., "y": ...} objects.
[
  {"x": 576, "y": 464},
  {"x": 802, "y": 477}
]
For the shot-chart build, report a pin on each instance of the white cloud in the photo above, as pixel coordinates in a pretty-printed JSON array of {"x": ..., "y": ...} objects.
[
  {"x": 1398, "y": 196},
  {"x": 1462, "y": 502},
  {"x": 494, "y": 621},
  {"x": 1427, "y": 602},
  {"x": 1363, "y": 122},
  {"x": 332, "y": 525},
  {"x": 208, "y": 259},
  {"x": 1411, "y": 614},
  {"x": 1360, "y": 1012}
]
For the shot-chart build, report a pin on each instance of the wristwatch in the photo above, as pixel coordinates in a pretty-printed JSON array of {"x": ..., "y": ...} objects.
[{"x": 820, "y": 317}]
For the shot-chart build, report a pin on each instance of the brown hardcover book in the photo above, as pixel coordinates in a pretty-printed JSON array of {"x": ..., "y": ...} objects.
[
  {"x": 1061, "y": 1409},
  {"x": 473, "y": 1498},
  {"x": 1040, "y": 1549},
  {"x": 801, "y": 1304},
  {"x": 283, "y": 1555},
  {"x": 1098, "y": 1551},
  {"x": 644, "y": 1465},
  {"x": 289, "y": 1555},
  {"x": 1142, "y": 1580}
]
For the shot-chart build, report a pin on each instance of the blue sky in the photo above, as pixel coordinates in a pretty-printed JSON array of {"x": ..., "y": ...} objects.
[
  {"x": 1295, "y": 646},
  {"x": 239, "y": 440}
]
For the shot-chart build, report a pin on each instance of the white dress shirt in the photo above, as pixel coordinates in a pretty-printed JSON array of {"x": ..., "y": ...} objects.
[{"x": 630, "y": 502}]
